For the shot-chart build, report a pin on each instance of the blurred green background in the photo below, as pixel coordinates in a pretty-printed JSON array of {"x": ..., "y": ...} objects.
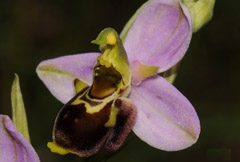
[{"x": 34, "y": 30}]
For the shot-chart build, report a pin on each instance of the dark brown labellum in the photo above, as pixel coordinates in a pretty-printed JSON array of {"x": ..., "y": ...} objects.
[{"x": 85, "y": 133}]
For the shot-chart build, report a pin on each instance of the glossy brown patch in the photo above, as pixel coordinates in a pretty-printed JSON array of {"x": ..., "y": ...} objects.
[
  {"x": 126, "y": 119},
  {"x": 102, "y": 87},
  {"x": 79, "y": 131},
  {"x": 105, "y": 82}
]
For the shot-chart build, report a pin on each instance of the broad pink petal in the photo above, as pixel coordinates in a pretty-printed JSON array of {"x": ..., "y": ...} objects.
[
  {"x": 160, "y": 34},
  {"x": 166, "y": 119},
  {"x": 13, "y": 145},
  {"x": 58, "y": 74}
]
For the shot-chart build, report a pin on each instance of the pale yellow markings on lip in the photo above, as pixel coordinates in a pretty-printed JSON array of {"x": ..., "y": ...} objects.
[
  {"x": 190, "y": 134},
  {"x": 12, "y": 140},
  {"x": 112, "y": 118},
  {"x": 89, "y": 109},
  {"x": 77, "y": 101},
  {"x": 93, "y": 109},
  {"x": 171, "y": 35}
]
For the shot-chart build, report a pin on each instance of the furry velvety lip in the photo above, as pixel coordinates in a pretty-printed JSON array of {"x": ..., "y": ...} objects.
[{"x": 80, "y": 131}]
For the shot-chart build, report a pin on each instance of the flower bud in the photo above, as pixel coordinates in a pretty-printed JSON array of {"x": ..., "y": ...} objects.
[{"x": 201, "y": 12}]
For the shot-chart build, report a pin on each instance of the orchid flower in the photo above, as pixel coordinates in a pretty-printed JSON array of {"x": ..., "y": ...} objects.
[
  {"x": 107, "y": 94},
  {"x": 13, "y": 145},
  {"x": 14, "y": 138}
]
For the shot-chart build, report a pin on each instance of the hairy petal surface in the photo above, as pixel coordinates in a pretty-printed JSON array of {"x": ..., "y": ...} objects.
[
  {"x": 166, "y": 119},
  {"x": 59, "y": 74},
  {"x": 126, "y": 119},
  {"x": 160, "y": 34},
  {"x": 13, "y": 145}
]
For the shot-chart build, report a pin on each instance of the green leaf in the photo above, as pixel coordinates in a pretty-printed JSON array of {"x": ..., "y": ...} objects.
[{"x": 18, "y": 110}]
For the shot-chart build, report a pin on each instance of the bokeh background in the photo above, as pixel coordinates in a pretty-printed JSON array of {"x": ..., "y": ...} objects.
[{"x": 34, "y": 30}]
